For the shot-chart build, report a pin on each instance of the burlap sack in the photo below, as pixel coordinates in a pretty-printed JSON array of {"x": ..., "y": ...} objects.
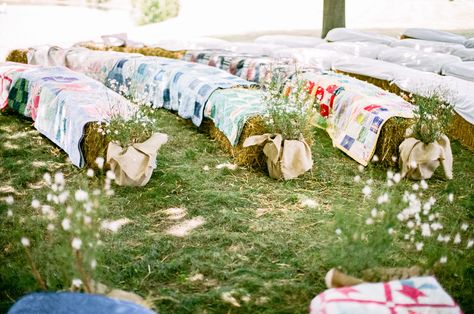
[
  {"x": 133, "y": 166},
  {"x": 419, "y": 161},
  {"x": 286, "y": 159}
]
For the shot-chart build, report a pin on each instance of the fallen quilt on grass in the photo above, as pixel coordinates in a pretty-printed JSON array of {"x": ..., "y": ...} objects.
[
  {"x": 414, "y": 295},
  {"x": 61, "y": 102},
  {"x": 176, "y": 85},
  {"x": 229, "y": 109},
  {"x": 355, "y": 111},
  {"x": 7, "y": 71}
]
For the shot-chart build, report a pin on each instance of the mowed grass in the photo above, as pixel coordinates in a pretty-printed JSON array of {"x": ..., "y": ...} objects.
[{"x": 258, "y": 242}]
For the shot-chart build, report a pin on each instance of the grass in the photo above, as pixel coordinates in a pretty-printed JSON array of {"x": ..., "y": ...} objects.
[{"x": 257, "y": 240}]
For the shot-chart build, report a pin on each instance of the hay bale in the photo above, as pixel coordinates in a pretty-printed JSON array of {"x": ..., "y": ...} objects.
[
  {"x": 462, "y": 131},
  {"x": 93, "y": 144},
  {"x": 147, "y": 51},
  {"x": 18, "y": 55},
  {"x": 391, "y": 136},
  {"x": 253, "y": 156}
]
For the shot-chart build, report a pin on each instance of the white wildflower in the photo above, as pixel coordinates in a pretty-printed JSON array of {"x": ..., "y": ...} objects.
[
  {"x": 69, "y": 210},
  {"x": 76, "y": 244},
  {"x": 361, "y": 168},
  {"x": 59, "y": 178},
  {"x": 440, "y": 238},
  {"x": 35, "y": 203},
  {"x": 227, "y": 165},
  {"x": 394, "y": 158},
  {"x": 245, "y": 298},
  {"x": 419, "y": 246},
  {"x": 54, "y": 187},
  {"x": 389, "y": 175},
  {"x": 382, "y": 198},
  {"x": 425, "y": 230},
  {"x": 397, "y": 177},
  {"x": 415, "y": 187},
  {"x": 464, "y": 226},
  {"x": 431, "y": 217},
  {"x": 110, "y": 175},
  {"x": 423, "y": 184},
  {"x": 447, "y": 238},
  {"x": 413, "y": 164},
  {"x": 25, "y": 242},
  {"x": 369, "y": 221},
  {"x": 47, "y": 178},
  {"x": 369, "y": 182},
  {"x": 401, "y": 216},
  {"x": 9, "y": 213},
  {"x": 81, "y": 196},
  {"x": 389, "y": 183},
  {"x": 410, "y": 224},
  {"x": 443, "y": 259},
  {"x": 87, "y": 220},
  {"x": 357, "y": 179},
  {"x": 93, "y": 264},
  {"x": 432, "y": 200},
  {"x": 391, "y": 231},
  {"x": 457, "y": 238},
  {"x": 406, "y": 236},
  {"x": 66, "y": 224},
  {"x": 100, "y": 162},
  {"x": 205, "y": 168},
  {"x": 9, "y": 200},
  {"x": 470, "y": 243},
  {"x": 50, "y": 227},
  {"x": 62, "y": 198},
  {"x": 450, "y": 197},
  {"x": 367, "y": 190},
  {"x": 90, "y": 173},
  {"x": 338, "y": 231},
  {"x": 375, "y": 158},
  {"x": 77, "y": 283},
  {"x": 96, "y": 192},
  {"x": 426, "y": 207},
  {"x": 373, "y": 212}
]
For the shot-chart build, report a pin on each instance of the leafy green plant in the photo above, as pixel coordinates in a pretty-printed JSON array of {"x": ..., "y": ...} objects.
[
  {"x": 290, "y": 109},
  {"x": 432, "y": 118},
  {"x": 153, "y": 11}
]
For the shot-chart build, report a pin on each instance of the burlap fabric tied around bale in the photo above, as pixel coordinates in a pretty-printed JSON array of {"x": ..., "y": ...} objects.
[
  {"x": 419, "y": 161},
  {"x": 133, "y": 166},
  {"x": 286, "y": 159}
]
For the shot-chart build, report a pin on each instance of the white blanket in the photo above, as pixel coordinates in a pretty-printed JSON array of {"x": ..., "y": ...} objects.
[
  {"x": 358, "y": 49},
  {"x": 427, "y": 46},
  {"x": 420, "y": 60},
  {"x": 290, "y": 41},
  {"x": 434, "y": 35},
  {"x": 466, "y": 54},
  {"x": 344, "y": 34},
  {"x": 311, "y": 57},
  {"x": 462, "y": 70}
]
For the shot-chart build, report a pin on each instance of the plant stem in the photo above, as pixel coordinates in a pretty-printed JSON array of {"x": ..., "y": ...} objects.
[
  {"x": 35, "y": 271},
  {"x": 84, "y": 277}
]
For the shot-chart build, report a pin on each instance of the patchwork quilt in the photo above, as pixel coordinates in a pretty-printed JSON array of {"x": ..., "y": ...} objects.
[
  {"x": 355, "y": 111},
  {"x": 7, "y": 72},
  {"x": 61, "y": 102},
  {"x": 414, "y": 295},
  {"x": 177, "y": 85},
  {"x": 229, "y": 109}
]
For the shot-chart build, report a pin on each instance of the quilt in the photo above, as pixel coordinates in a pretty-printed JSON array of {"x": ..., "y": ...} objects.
[
  {"x": 414, "y": 295},
  {"x": 229, "y": 109},
  {"x": 355, "y": 111}
]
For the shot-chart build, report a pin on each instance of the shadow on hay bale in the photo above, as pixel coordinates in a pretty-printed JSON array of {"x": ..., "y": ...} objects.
[
  {"x": 18, "y": 55},
  {"x": 462, "y": 131},
  {"x": 146, "y": 51},
  {"x": 93, "y": 144},
  {"x": 253, "y": 156}
]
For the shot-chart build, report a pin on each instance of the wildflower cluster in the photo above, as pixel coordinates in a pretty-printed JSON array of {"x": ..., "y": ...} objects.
[
  {"x": 67, "y": 231},
  {"x": 408, "y": 220},
  {"x": 136, "y": 127},
  {"x": 432, "y": 118},
  {"x": 290, "y": 109}
]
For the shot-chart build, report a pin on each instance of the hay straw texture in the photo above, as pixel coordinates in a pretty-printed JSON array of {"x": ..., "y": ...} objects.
[
  {"x": 462, "y": 131},
  {"x": 18, "y": 55},
  {"x": 93, "y": 145},
  {"x": 252, "y": 156},
  {"x": 146, "y": 51}
]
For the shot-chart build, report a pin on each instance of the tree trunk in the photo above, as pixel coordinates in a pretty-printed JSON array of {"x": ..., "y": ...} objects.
[{"x": 334, "y": 15}]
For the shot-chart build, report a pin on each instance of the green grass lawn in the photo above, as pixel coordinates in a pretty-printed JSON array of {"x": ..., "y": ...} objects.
[{"x": 258, "y": 241}]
